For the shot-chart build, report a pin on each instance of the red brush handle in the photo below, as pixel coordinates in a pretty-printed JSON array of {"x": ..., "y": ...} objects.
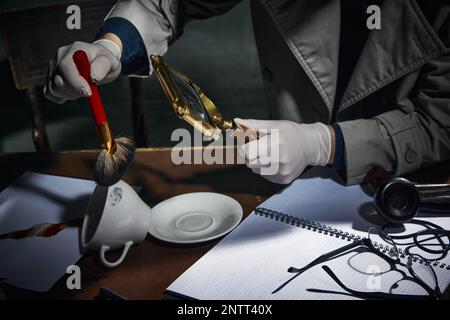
[{"x": 95, "y": 102}]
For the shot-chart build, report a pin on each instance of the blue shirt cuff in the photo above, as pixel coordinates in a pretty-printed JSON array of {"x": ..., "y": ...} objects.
[
  {"x": 339, "y": 153},
  {"x": 134, "y": 54}
]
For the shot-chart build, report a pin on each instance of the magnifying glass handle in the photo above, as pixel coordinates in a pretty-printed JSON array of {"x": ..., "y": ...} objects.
[{"x": 251, "y": 133}]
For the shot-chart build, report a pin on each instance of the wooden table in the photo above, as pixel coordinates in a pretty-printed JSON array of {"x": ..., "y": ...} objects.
[{"x": 152, "y": 266}]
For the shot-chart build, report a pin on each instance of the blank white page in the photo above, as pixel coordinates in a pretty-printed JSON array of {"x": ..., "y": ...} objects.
[{"x": 37, "y": 263}]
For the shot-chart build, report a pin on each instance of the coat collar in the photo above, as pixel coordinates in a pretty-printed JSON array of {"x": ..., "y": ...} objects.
[
  {"x": 311, "y": 29},
  {"x": 405, "y": 42}
]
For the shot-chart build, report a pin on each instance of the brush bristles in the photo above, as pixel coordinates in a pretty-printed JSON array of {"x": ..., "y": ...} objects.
[{"x": 109, "y": 169}]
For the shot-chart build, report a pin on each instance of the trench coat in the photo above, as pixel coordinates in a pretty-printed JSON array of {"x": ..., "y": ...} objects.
[{"x": 395, "y": 110}]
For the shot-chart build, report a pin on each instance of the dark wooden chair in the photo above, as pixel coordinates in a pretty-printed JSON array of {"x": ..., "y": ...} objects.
[{"x": 25, "y": 29}]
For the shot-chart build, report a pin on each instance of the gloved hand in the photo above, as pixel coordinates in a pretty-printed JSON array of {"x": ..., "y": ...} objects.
[
  {"x": 286, "y": 146},
  {"x": 63, "y": 80}
]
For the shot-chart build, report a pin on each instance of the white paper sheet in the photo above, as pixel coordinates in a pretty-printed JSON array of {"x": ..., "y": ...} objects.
[{"x": 37, "y": 263}]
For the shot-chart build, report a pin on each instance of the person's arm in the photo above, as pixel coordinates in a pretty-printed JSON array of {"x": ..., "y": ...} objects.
[
  {"x": 143, "y": 28},
  {"x": 132, "y": 31},
  {"x": 416, "y": 134},
  {"x": 147, "y": 27}
]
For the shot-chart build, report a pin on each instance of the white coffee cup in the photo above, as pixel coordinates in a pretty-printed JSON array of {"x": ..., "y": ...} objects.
[{"x": 116, "y": 218}]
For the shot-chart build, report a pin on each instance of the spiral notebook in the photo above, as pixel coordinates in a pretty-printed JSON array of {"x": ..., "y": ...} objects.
[{"x": 311, "y": 217}]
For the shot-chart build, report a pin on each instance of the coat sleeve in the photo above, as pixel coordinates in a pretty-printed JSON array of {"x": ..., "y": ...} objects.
[
  {"x": 160, "y": 22},
  {"x": 415, "y": 134}
]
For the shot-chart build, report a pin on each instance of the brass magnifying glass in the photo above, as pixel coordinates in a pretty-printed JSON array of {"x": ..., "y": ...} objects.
[{"x": 188, "y": 101}]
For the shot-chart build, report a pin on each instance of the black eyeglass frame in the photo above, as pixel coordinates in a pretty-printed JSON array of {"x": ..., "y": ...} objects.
[{"x": 434, "y": 293}]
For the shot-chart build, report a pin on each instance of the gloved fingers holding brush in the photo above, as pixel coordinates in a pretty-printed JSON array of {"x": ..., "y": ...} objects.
[
  {"x": 64, "y": 81},
  {"x": 283, "y": 149}
]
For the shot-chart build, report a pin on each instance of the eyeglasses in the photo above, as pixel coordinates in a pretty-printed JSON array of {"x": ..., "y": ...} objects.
[
  {"x": 188, "y": 101},
  {"x": 382, "y": 245},
  {"x": 431, "y": 238}
]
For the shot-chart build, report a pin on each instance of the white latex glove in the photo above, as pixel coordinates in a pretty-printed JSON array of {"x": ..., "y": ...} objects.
[
  {"x": 298, "y": 146},
  {"x": 63, "y": 80}
]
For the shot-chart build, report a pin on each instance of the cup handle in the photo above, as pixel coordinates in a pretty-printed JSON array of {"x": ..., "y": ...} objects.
[{"x": 108, "y": 264}]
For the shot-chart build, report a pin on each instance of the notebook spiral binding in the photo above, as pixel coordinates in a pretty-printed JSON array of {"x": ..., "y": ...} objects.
[{"x": 327, "y": 230}]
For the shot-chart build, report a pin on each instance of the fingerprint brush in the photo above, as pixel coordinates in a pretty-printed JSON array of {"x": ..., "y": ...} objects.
[{"x": 117, "y": 154}]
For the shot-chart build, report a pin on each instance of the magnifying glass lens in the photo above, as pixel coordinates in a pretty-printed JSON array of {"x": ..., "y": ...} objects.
[{"x": 191, "y": 97}]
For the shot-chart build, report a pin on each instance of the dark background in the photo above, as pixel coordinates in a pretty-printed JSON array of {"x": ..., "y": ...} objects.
[{"x": 219, "y": 54}]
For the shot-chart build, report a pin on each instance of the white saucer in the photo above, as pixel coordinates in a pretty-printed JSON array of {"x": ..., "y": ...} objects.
[{"x": 194, "y": 217}]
